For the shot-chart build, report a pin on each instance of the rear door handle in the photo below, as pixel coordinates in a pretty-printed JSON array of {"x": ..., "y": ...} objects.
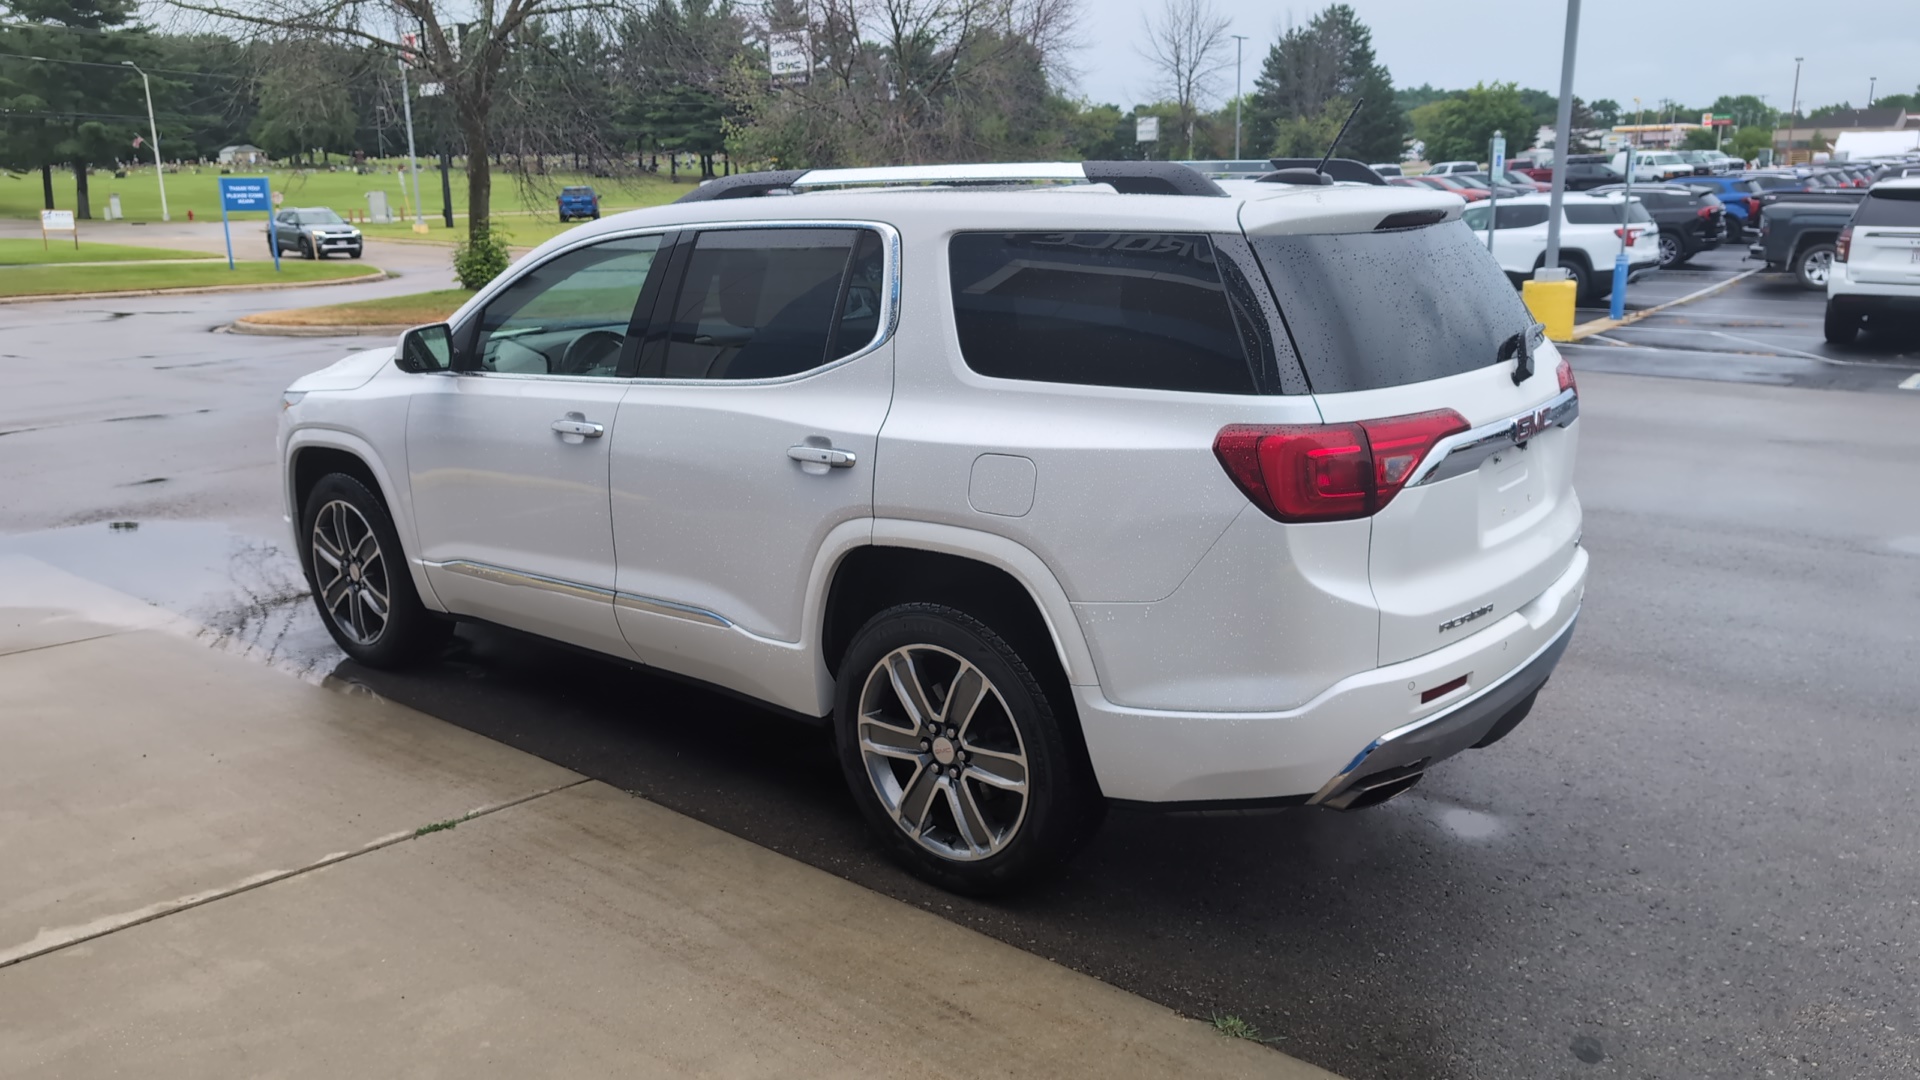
[
  {"x": 584, "y": 428},
  {"x": 823, "y": 455}
]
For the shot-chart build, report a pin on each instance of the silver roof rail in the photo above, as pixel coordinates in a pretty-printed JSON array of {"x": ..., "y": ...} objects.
[{"x": 992, "y": 173}]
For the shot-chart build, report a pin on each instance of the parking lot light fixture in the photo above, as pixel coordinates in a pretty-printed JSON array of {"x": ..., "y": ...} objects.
[{"x": 153, "y": 132}]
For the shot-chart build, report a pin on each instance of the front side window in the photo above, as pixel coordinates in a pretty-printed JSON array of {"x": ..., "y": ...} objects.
[
  {"x": 1600, "y": 213},
  {"x": 767, "y": 303},
  {"x": 569, "y": 315},
  {"x": 1142, "y": 310}
]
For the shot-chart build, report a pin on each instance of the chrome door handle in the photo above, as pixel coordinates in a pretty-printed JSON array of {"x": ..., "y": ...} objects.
[
  {"x": 823, "y": 455},
  {"x": 584, "y": 428}
]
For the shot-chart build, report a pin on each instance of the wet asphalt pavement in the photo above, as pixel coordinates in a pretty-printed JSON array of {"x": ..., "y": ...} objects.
[{"x": 1694, "y": 860}]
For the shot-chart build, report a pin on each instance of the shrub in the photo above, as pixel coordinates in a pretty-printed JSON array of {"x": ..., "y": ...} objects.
[{"x": 480, "y": 257}]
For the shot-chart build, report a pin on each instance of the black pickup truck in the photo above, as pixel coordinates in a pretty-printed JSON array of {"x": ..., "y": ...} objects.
[{"x": 1798, "y": 231}]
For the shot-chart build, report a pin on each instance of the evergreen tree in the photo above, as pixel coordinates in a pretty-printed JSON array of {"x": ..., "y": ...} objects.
[
  {"x": 74, "y": 104},
  {"x": 1309, "y": 68}
]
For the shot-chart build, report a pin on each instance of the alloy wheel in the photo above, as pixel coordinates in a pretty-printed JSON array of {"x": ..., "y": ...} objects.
[
  {"x": 1818, "y": 266},
  {"x": 943, "y": 752},
  {"x": 1669, "y": 251},
  {"x": 351, "y": 572}
]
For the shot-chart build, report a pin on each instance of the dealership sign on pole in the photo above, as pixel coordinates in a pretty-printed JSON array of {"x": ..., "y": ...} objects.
[
  {"x": 790, "y": 58},
  {"x": 1146, "y": 129},
  {"x": 247, "y": 193}
]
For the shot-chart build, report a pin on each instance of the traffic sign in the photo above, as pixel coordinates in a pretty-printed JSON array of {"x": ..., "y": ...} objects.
[
  {"x": 245, "y": 193},
  {"x": 1499, "y": 156},
  {"x": 1146, "y": 129}
]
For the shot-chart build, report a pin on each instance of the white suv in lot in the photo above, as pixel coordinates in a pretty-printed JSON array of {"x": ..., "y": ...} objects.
[
  {"x": 1046, "y": 486},
  {"x": 1876, "y": 261},
  {"x": 1594, "y": 229}
]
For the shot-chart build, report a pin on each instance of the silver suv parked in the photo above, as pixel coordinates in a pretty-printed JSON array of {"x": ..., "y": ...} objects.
[{"x": 1045, "y": 486}]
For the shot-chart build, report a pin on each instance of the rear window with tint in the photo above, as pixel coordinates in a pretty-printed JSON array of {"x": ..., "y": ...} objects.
[
  {"x": 1369, "y": 310},
  {"x": 1144, "y": 310},
  {"x": 1604, "y": 213},
  {"x": 1899, "y": 207}
]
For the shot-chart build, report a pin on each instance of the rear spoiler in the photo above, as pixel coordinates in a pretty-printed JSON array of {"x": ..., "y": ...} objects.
[{"x": 1338, "y": 169}]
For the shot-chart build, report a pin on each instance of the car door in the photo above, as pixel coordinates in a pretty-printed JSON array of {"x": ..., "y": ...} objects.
[
  {"x": 747, "y": 442},
  {"x": 507, "y": 456}
]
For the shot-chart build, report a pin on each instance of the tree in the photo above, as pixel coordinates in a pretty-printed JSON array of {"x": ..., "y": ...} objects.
[
  {"x": 1606, "y": 112},
  {"x": 304, "y": 103},
  {"x": 1749, "y": 141},
  {"x": 1187, "y": 47},
  {"x": 475, "y": 63},
  {"x": 1331, "y": 57},
  {"x": 1460, "y": 127},
  {"x": 66, "y": 97},
  {"x": 897, "y": 81},
  {"x": 1701, "y": 139},
  {"x": 1746, "y": 109}
]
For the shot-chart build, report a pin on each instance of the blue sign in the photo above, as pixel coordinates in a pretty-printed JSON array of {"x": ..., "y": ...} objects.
[{"x": 245, "y": 193}]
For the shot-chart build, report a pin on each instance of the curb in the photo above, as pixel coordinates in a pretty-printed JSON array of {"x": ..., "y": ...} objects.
[
  {"x": 242, "y": 326},
  {"x": 377, "y": 275},
  {"x": 1601, "y": 326}
]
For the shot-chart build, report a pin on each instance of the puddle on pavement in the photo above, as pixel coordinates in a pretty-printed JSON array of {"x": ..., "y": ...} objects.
[
  {"x": 1468, "y": 824},
  {"x": 244, "y": 591}
]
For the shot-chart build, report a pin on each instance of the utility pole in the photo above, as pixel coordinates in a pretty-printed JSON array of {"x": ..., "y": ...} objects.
[
  {"x": 413, "y": 162},
  {"x": 1872, "y": 81},
  {"x": 153, "y": 132},
  {"x": 1562, "y": 146},
  {"x": 1238, "y": 41},
  {"x": 1793, "y": 110}
]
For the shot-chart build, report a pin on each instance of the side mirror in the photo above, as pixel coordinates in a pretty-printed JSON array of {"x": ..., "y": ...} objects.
[{"x": 426, "y": 349}]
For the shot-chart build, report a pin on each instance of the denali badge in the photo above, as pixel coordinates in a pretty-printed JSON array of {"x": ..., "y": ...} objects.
[{"x": 1461, "y": 620}]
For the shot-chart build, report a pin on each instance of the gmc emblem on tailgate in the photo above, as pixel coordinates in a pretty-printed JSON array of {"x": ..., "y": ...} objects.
[
  {"x": 1461, "y": 620},
  {"x": 1533, "y": 423}
]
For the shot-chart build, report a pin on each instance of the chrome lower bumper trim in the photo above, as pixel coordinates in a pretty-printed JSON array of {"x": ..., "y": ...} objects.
[{"x": 500, "y": 575}]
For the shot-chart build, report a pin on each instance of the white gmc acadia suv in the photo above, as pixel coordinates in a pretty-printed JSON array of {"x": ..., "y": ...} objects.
[{"x": 1049, "y": 486}]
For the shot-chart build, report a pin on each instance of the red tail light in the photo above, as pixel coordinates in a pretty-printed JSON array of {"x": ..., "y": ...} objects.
[
  {"x": 1753, "y": 207},
  {"x": 1565, "y": 374},
  {"x": 1329, "y": 472},
  {"x": 1841, "y": 245},
  {"x": 1705, "y": 211}
]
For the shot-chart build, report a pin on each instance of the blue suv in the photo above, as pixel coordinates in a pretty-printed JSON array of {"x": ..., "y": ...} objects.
[
  {"x": 1740, "y": 196},
  {"x": 579, "y": 202}
]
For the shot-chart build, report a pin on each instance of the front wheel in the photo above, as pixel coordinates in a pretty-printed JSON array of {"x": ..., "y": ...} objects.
[
  {"x": 956, "y": 753},
  {"x": 1813, "y": 266},
  {"x": 359, "y": 577}
]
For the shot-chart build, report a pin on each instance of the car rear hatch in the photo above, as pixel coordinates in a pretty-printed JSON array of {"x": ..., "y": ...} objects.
[
  {"x": 1414, "y": 324},
  {"x": 1884, "y": 245}
]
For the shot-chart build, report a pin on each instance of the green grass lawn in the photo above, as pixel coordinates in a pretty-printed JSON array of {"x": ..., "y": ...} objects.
[
  {"x": 61, "y": 250},
  {"x": 20, "y": 195},
  {"x": 413, "y": 310},
  {"x": 54, "y": 280}
]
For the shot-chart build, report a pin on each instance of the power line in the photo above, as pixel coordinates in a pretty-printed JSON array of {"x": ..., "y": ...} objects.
[{"x": 94, "y": 63}]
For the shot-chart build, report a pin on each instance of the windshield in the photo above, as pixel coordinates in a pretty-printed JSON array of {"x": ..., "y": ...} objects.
[
  {"x": 1471, "y": 181},
  {"x": 321, "y": 217},
  {"x": 1375, "y": 309}
]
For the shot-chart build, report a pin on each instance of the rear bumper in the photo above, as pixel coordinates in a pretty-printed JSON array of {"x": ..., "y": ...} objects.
[
  {"x": 1357, "y": 730},
  {"x": 1865, "y": 297}
]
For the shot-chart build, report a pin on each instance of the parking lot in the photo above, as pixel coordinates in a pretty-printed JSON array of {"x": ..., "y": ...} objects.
[
  {"x": 1760, "y": 329},
  {"x": 1688, "y": 862}
]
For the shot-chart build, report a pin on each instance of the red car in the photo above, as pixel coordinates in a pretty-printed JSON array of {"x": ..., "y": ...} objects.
[{"x": 1441, "y": 183}]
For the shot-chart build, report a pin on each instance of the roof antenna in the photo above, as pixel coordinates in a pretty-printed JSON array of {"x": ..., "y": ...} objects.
[{"x": 1322, "y": 167}]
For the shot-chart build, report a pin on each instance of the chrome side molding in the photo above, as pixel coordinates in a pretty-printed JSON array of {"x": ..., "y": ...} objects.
[
  {"x": 500, "y": 575},
  {"x": 1457, "y": 455}
]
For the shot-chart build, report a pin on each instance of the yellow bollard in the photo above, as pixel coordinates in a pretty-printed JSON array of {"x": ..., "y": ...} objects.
[{"x": 1552, "y": 304}]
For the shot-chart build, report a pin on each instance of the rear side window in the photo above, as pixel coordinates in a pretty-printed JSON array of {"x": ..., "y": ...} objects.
[
  {"x": 1899, "y": 207},
  {"x": 765, "y": 303},
  {"x": 1143, "y": 310},
  {"x": 1371, "y": 310},
  {"x": 1604, "y": 213}
]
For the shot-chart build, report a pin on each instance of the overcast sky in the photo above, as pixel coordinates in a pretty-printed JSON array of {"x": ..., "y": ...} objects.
[{"x": 1692, "y": 53}]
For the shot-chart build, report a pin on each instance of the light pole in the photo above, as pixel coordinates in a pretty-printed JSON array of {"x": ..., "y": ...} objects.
[
  {"x": 1549, "y": 296},
  {"x": 153, "y": 132},
  {"x": 1238, "y": 41},
  {"x": 1793, "y": 110},
  {"x": 1872, "y": 81},
  {"x": 413, "y": 161}
]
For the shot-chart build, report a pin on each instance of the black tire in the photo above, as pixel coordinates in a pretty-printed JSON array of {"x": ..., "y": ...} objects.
[
  {"x": 1842, "y": 326},
  {"x": 563, "y": 219},
  {"x": 355, "y": 253},
  {"x": 1673, "y": 249},
  {"x": 1583, "y": 283},
  {"x": 306, "y": 249},
  {"x": 596, "y": 215},
  {"x": 1812, "y": 265},
  {"x": 409, "y": 632},
  {"x": 1028, "y": 833}
]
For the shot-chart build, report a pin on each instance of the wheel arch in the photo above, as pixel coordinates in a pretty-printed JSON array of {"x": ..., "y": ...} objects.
[{"x": 313, "y": 453}]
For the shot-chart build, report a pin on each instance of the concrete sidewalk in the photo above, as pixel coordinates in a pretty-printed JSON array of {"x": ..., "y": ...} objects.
[{"x": 213, "y": 869}]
